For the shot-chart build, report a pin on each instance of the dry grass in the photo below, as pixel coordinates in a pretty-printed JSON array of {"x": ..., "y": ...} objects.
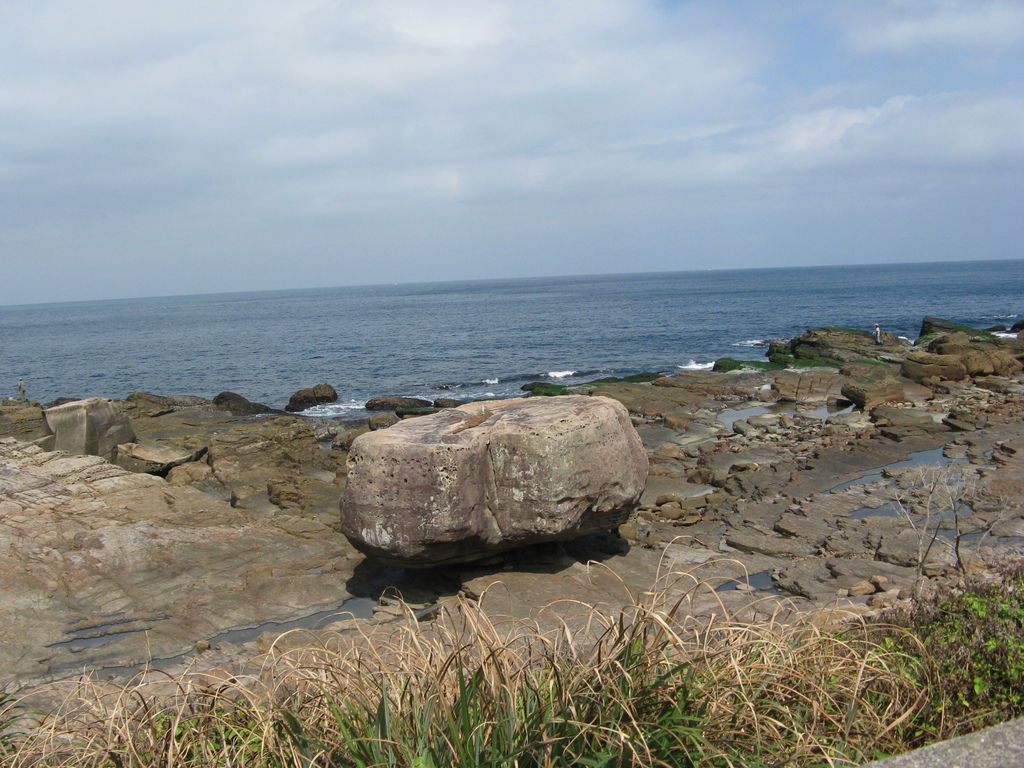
[{"x": 647, "y": 687}]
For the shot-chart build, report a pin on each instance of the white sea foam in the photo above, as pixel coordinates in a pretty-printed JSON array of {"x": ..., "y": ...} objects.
[
  {"x": 489, "y": 381},
  {"x": 751, "y": 343},
  {"x": 560, "y": 374},
  {"x": 1005, "y": 335},
  {"x": 328, "y": 410},
  {"x": 693, "y": 365}
]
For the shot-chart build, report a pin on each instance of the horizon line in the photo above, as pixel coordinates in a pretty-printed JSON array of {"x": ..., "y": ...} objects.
[{"x": 505, "y": 278}]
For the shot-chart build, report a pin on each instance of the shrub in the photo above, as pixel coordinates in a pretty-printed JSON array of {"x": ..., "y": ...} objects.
[
  {"x": 649, "y": 686},
  {"x": 973, "y": 639}
]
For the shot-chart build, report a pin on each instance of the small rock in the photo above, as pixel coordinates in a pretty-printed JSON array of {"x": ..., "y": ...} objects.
[
  {"x": 670, "y": 511},
  {"x": 307, "y": 398},
  {"x": 628, "y": 531},
  {"x": 382, "y": 421},
  {"x": 862, "y": 588},
  {"x": 668, "y": 498},
  {"x": 883, "y": 599},
  {"x": 343, "y": 440}
]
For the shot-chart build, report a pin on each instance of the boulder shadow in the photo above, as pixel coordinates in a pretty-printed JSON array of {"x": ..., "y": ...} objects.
[{"x": 372, "y": 579}]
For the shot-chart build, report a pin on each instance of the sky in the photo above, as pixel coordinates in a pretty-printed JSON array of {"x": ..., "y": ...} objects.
[{"x": 229, "y": 145}]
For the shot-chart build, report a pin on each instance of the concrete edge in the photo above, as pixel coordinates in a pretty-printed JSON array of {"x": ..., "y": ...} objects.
[{"x": 1001, "y": 746}]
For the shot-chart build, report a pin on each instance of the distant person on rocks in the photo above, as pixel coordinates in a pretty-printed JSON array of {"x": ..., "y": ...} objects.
[
  {"x": 21, "y": 389},
  {"x": 878, "y": 334}
]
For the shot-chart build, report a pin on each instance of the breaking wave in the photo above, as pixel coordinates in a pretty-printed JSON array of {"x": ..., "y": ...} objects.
[{"x": 751, "y": 343}]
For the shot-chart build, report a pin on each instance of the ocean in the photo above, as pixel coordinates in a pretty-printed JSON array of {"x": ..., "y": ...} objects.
[{"x": 475, "y": 338}]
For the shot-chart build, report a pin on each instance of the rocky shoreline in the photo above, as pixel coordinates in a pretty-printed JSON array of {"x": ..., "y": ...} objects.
[{"x": 836, "y": 477}]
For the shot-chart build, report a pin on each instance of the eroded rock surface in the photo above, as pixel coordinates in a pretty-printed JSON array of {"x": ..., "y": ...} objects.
[
  {"x": 846, "y": 344},
  {"x": 258, "y": 463},
  {"x": 813, "y": 501},
  {"x": 483, "y": 478},
  {"x": 101, "y": 566}
]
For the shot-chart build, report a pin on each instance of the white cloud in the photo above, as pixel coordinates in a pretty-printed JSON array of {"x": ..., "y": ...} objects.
[
  {"x": 385, "y": 99},
  {"x": 905, "y": 25},
  {"x": 962, "y": 136},
  {"x": 202, "y": 123}
]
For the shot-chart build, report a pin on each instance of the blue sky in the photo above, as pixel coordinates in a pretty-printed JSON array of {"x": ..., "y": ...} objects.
[{"x": 153, "y": 149}]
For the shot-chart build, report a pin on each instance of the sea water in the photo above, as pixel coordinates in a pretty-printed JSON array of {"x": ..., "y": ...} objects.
[{"x": 472, "y": 339}]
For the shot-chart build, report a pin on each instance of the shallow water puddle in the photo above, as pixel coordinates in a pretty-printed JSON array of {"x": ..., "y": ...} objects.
[
  {"x": 98, "y": 635},
  {"x": 825, "y": 412},
  {"x": 889, "y": 509},
  {"x": 82, "y": 642},
  {"x": 732, "y": 415},
  {"x": 822, "y": 413},
  {"x": 932, "y": 457},
  {"x": 758, "y": 582},
  {"x": 354, "y": 607}
]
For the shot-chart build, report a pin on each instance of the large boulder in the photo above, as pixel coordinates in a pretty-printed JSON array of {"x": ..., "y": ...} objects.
[
  {"x": 843, "y": 344},
  {"x": 920, "y": 365},
  {"x": 887, "y": 415},
  {"x": 89, "y": 427},
  {"x": 811, "y": 385},
  {"x": 956, "y": 338},
  {"x": 241, "y": 406},
  {"x": 871, "y": 385},
  {"x": 307, "y": 398},
  {"x": 979, "y": 359},
  {"x": 930, "y": 325},
  {"x": 154, "y": 458},
  {"x": 867, "y": 393},
  {"x": 467, "y": 482}
]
